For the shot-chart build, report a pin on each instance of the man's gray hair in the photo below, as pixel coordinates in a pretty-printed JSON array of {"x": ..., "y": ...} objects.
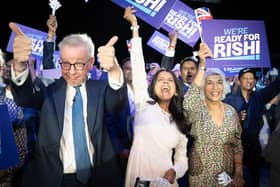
[{"x": 76, "y": 40}]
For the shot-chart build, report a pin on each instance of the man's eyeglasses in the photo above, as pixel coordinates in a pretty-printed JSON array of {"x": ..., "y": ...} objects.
[{"x": 77, "y": 66}]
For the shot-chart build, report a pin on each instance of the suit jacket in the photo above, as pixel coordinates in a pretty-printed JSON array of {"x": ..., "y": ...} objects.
[
  {"x": 46, "y": 168},
  {"x": 271, "y": 154},
  {"x": 253, "y": 122},
  {"x": 167, "y": 62},
  {"x": 120, "y": 126},
  {"x": 48, "y": 53}
]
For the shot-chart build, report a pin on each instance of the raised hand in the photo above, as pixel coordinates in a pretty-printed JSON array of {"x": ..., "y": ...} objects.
[
  {"x": 106, "y": 55},
  {"x": 203, "y": 53},
  {"x": 129, "y": 15},
  {"x": 22, "y": 48},
  {"x": 52, "y": 26},
  {"x": 173, "y": 36}
]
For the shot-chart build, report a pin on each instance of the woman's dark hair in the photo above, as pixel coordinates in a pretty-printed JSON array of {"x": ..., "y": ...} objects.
[{"x": 176, "y": 103}]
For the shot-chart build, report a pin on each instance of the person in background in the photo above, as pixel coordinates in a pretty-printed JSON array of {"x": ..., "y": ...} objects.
[
  {"x": 234, "y": 84},
  {"x": 120, "y": 124},
  {"x": 167, "y": 59},
  {"x": 58, "y": 158},
  {"x": 152, "y": 68},
  {"x": 11, "y": 175},
  {"x": 272, "y": 108},
  {"x": 158, "y": 114},
  {"x": 30, "y": 115},
  {"x": 176, "y": 70},
  {"x": 271, "y": 154},
  {"x": 188, "y": 66},
  {"x": 271, "y": 75},
  {"x": 189, "y": 69},
  {"x": 49, "y": 43},
  {"x": 217, "y": 150},
  {"x": 250, "y": 106}
]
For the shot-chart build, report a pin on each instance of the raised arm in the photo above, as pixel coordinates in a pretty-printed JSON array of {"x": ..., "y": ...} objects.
[
  {"x": 139, "y": 79},
  {"x": 203, "y": 53},
  {"x": 132, "y": 19},
  {"x": 49, "y": 43},
  {"x": 22, "y": 49},
  {"x": 168, "y": 58},
  {"x": 108, "y": 61},
  {"x": 52, "y": 26}
]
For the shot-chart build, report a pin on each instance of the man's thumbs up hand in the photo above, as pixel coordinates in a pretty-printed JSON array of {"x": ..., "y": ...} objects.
[{"x": 106, "y": 54}]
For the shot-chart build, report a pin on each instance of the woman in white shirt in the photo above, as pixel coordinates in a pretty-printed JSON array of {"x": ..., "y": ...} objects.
[{"x": 159, "y": 121}]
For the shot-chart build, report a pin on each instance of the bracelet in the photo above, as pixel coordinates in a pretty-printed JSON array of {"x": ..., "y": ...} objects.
[
  {"x": 202, "y": 68},
  {"x": 134, "y": 28}
]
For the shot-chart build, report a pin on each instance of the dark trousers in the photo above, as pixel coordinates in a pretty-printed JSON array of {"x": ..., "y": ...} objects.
[
  {"x": 107, "y": 174},
  {"x": 70, "y": 180}
]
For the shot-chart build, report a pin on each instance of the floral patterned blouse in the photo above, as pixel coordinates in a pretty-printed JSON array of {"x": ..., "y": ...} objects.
[{"x": 214, "y": 147}]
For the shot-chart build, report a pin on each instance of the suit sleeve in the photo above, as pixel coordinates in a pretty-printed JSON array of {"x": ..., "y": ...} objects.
[
  {"x": 29, "y": 94},
  {"x": 112, "y": 123},
  {"x": 115, "y": 99},
  {"x": 167, "y": 62},
  {"x": 48, "y": 53}
]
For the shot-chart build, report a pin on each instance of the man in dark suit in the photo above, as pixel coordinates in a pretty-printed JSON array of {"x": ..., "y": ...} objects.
[
  {"x": 54, "y": 163},
  {"x": 271, "y": 154},
  {"x": 250, "y": 104},
  {"x": 120, "y": 124}
]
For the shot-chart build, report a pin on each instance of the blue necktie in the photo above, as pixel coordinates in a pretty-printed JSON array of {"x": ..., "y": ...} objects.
[{"x": 79, "y": 135}]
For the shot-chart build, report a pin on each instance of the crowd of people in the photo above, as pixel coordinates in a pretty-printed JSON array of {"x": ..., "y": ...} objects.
[{"x": 124, "y": 124}]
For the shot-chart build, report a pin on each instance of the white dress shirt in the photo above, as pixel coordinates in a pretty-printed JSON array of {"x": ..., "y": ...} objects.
[{"x": 67, "y": 151}]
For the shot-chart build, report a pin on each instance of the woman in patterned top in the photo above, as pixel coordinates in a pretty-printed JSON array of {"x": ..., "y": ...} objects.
[
  {"x": 215, "y": 127},
  {"x": 10, "y": 172}
]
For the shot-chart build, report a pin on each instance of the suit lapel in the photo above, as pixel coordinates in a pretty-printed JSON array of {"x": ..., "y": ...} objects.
[
  {"x": 92, "y": 103},
  {"x": 59, "y": 95}
]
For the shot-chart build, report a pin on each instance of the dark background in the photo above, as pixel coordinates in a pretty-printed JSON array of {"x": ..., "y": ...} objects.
[{"x": 102, "y": 19}]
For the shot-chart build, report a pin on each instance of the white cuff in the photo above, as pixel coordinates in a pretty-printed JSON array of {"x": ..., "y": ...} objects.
[
  {"x": 170, "y": 52},
  {"x": 21, "y": 77},
  {"x": 115, "y": 84}
]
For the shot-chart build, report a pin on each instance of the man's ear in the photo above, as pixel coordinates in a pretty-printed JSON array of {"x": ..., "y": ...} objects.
[{"x": 91, "y": 62}]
